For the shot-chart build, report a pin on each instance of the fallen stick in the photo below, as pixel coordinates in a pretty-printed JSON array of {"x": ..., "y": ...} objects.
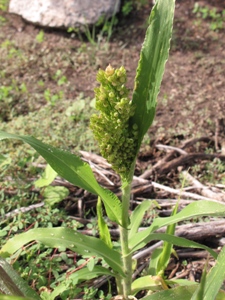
[
  {"x": 204, "y": 190},
  {"x": 164, "y": 167}
]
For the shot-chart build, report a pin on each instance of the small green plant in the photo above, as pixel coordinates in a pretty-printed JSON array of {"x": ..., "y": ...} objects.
[
  {"x": 217, "y": 19},
  {"x": 95, "y": 34},
  {"x": 4, "y": 4},
  {"x": 53, "y": 98},
  {"x": 40, "y": 36},
  {"x": 119, "y": 127},
  {"x": 129, "y": 5}
]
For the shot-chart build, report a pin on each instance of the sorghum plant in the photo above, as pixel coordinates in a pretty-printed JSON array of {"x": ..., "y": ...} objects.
[{"x": 119, "y": 128}]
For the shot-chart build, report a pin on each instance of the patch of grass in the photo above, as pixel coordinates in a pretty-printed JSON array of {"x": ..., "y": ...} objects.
[
  {"x": 4, "y": 4},
  {"x": 40, "y": 36},
  {"x": 210, "y": 172},
  {"x": 65, "y": 125},
  {"x": 216, "y": 19},
  {"x": 40, "y": 266}
]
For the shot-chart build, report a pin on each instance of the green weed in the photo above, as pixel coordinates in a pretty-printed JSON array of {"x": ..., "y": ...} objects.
[
  {"x": 4, "y": 4},
  {"x": 216, "y": 19},
  {"x": 40, "y": 36}
]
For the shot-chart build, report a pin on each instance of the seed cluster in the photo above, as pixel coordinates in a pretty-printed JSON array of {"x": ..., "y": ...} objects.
[{"x": 116, "y": 138}]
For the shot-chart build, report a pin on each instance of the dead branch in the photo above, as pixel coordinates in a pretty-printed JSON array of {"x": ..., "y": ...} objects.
[
  {"x": 97, "y": 159},
  {"x": 144, "y": 184},
  {"x": 204, "y": 190},
  {"x": 169, "y": 148},
  {"x": 193, "y": 141},
  {"x": 164, "y": 167},
  {"x": 21, "y": 210}
]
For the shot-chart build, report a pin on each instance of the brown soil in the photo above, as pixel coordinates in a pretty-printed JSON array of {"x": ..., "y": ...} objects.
[
  {"x": 191, "y": 103},
  {"x": 192, "y": 93}
]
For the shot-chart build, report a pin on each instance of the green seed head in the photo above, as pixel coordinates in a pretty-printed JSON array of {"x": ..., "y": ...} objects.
[{"x": 117, "y": 141}]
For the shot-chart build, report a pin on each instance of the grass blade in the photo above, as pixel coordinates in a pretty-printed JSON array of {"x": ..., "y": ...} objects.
[
  {"x": 178, "y": 293},
  {"x": 167, "y": 247},
  {"x": 153, "y": 56},
  {"x": 64, "y": 237},
  {"x": 102, "y": 226},
  {"x": 137, "y": 217},
  {"x": 73, "y": 169},
  {"x": 175, "y": 240},
  {"x": 195, "y": 209},
  {"x": 214, "y": 279},
  {"x": 12, "y": 284}
]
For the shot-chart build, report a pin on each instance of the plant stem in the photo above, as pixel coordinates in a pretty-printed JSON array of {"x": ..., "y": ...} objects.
[{"x": 126, "y": 255}]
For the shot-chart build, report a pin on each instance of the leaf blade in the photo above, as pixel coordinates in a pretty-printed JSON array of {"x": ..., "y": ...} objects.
[
  {"x": 137, "y": 216},
  {"x": 195, "y": 209},
  {"x": 12, "y": 284},
  {"x": 175, "y": 240},
  {"x": 64, "y": 237},
  {"x": 153, "y": 56},
  {"x": 214, "y": 279},
  {"x": 73, "y": 169},
  {"x": 102, "y": 226}
]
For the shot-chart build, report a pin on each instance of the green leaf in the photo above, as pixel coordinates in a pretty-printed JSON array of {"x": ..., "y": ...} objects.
[
  {"x": 4, "y": 161},
  {"x": 195, "y": 209},
  {"x": 55, "y": 194},
  {"x": 146, "y": 283},
  {"x": 137, "y": 217},
  {"x": 5, "y": 297},
  {"x": 47, "y": 177},
  {"x": 198, "y": 295},
  {"x": 214, "y": 279},
  {"x": 12, "y": 284},
  {"x": 154, "y": 54},
  {"x": 81, "y": 275},
  {"x": 180, "y": 282},
  {"x": 175, "y": 240},
  {"x": 73, "y": 169},
  {"x": 181, "y": 292},
  {"x": 64, "y": 237},
  {"x": 167, "y": 248},
  {"x": 85, "y": 274},
  {"x": 76, "y": 108},
  {"x": 102, "y": 226},
  {"x": 152, "y": 270}
]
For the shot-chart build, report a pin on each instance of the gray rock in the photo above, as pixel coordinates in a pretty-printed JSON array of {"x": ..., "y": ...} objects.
[{"x": 64, "y": 13}]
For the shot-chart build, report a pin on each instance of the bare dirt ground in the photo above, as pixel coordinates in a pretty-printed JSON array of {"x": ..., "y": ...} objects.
[{"x": 191, "y": 103}]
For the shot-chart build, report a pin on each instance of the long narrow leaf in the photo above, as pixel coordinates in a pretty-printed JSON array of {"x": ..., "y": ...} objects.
[
  {"x": 5, "y": 297},
  {"x": 167, "y": 248},
  {"x": 73, "y": 169},
  {"x": 146, "y": 283},
  {"x": 214, "y": 279},
  {"x": 175, "y": 240},
  {"x": 80, "y": 275},
  {"x": 153, "y": 264},
  {"x": 153, "y": 57},
  {"x": 85, "y": 274},
  {"x": 12, "y": 284},
  {"x": 178, "y": 293},
  {"x": 198, "y": 295},
  {"x": 102, "y": 226},
  {"x": 195, "y": 209},
  {"x": 64, "y": 237},
  {"x": 137, "y": 217}
]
